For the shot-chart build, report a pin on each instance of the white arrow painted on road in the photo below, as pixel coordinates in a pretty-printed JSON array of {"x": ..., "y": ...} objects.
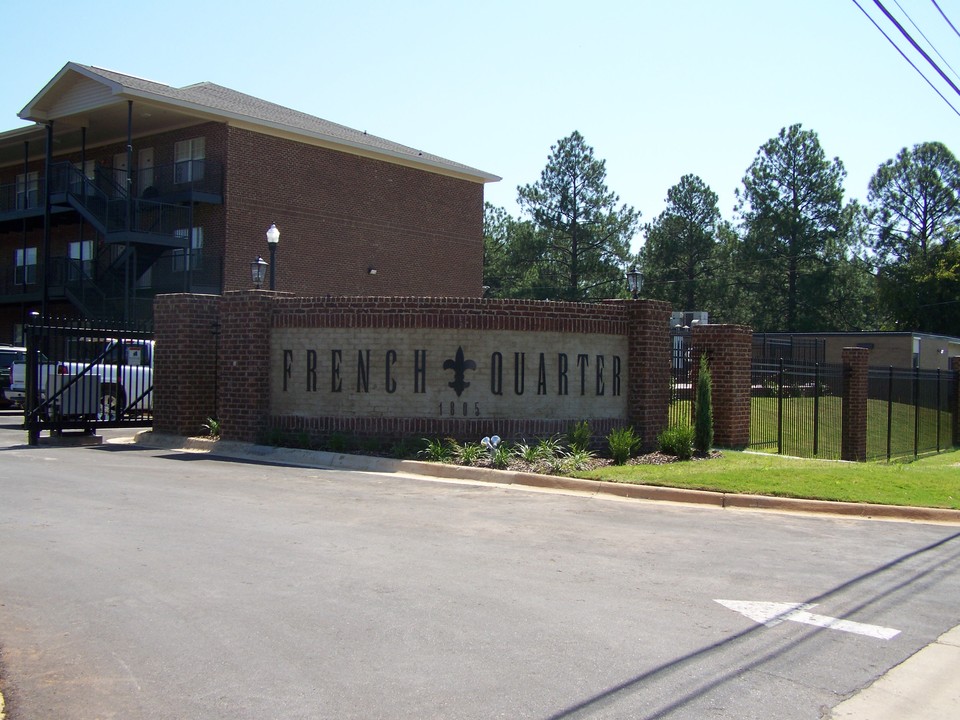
[{"x": 774, "y": 613}]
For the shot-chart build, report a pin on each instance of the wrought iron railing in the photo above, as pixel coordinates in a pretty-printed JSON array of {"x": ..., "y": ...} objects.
[
  {"x": 196, "y": 176},
  {"x": 796, "y": 408},
  {"x": 681, "y": 379},
  {"x": 99, "y": 285},
  {"x": 22, "y": 196},
  {"x": 909, "y": 411}
]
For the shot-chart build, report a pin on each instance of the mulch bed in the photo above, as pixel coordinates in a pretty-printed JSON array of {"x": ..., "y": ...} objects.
[{"x": 654, "y": 458}]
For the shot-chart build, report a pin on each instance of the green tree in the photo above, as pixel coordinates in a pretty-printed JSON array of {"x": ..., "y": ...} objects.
[
  {"x": 913, "y": 213},
  {"x": 582, "y": 236},
  {"x": 678, "y": 256},
  {"x": 510, "y": 247},
  {"x": 795, "y": 232},
  {"x": 732, "y": 299},
  {"x": 914, "y": 203}
]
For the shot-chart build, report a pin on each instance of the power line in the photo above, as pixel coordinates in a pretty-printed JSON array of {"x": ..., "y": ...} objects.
[
  {"x": 945, "y": 17},
  {"x": 916, "y": 46},
  {"x": 923, "y": 35},
  {"x": 903, "y": 55}
]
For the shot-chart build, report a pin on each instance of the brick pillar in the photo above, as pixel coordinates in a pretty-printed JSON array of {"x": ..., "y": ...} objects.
[
  {"x": 185, "y": 362},
  {"x": 648, "y": 394},
  {"x": 853, "y": 442},
  {"x": 244, "y": 387},
  {"x": 955, "y": 400},
  {"x": 729, "y": 351}
]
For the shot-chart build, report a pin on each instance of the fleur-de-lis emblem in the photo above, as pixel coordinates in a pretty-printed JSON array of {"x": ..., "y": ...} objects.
[{"x": 459, "y": 366}]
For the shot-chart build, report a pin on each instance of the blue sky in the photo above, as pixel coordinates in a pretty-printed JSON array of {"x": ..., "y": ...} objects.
[{"x": 658, "y": 89}]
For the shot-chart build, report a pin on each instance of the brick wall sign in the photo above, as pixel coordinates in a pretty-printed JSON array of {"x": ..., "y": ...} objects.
[
  {"x": 401, "y": 367},
  {"x": 447, "y": 373}
]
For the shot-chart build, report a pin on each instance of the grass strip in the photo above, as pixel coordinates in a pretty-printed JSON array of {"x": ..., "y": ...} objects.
[{"x": 931, "y": 481}]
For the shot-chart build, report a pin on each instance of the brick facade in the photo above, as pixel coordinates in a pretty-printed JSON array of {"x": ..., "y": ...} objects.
[
  {"x": 729, "y": 355},
  {"x": 853, "y": 443},
  {"x": 341, "y": 215},
  {"x": 186, "y": 363}
]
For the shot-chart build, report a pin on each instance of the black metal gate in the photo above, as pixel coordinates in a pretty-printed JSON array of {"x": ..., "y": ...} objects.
[{"x": 81, "y": 375}]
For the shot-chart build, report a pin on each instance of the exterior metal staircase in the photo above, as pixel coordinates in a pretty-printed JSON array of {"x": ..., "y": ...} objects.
[{"x": 144, "y": 228}]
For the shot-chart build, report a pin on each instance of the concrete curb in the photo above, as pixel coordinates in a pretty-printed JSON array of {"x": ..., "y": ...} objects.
[{"x": 363, "y": 463}]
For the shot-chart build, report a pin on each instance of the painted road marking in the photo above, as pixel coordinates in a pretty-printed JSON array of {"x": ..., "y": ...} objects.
[{"x": 774, "y": 613}]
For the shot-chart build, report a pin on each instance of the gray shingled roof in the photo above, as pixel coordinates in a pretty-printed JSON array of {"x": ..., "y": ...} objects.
[{"x": 222, "y": 100}]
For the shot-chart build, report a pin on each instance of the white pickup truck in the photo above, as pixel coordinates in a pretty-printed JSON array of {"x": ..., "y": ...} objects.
[{"x": 120, "y": 373}]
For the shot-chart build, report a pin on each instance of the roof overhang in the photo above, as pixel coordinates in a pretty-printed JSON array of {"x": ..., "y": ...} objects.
[{"x": 92, "y": 108}]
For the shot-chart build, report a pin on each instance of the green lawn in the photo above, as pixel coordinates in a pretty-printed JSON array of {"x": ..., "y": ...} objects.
[{"x": 932, "y": 481}]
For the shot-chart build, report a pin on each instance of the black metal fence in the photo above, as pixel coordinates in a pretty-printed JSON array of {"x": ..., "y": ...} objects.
[
  {"x": 795, "y": 408},
  {"x": 83, "y": 375},
  {"x": 909, "y": 411},
  {"x": 681, "y": 376}
]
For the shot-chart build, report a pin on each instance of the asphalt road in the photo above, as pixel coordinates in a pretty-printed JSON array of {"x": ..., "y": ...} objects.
[{"x": 152, "y": 584}]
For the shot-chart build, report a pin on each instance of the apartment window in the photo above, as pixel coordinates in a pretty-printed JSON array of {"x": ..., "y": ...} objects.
[
  {"x": 28, "y": 190},
  {"x": 25, "y": 266},
  {"x": 188, "y": 160},
  {"x": 82, "y": 183},
  {"x": 188, "y": 258},
  {"x": 81, "y": 260}
]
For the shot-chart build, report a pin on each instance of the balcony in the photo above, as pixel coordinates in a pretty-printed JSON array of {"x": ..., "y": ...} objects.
[
  {"x": 105, "y": 195},
  {"x": 98, "y": 287},
  {"x": 22, "y": 200},
  {"x": 182, "y": 182}
]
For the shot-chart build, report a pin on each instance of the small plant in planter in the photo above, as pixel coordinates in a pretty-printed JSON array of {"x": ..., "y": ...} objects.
[
  {"x": 436, "y": 450},
  {"x": 527, "y": 452},
  {"x": 579, "y": 459},
  {"x": 468, "y": 453},
  {"x": 549, "y": 448},
  {"x": 578, "y": 438},
  {"x": 212, "y": 426}
]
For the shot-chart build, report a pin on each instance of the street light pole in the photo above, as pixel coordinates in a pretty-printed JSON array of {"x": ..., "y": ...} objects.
[{"x": 273, "y": 239}]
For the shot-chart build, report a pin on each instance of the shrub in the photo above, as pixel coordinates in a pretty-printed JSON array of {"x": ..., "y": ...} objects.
[
  {"x": 468, "y": 453},
  {"x": 500, "y": 456},
  {"x": 337, "y": 443},
  {"x": 436, "y": 451},
  {"x": 371, "y": 445},
  {"x": 677, "y": 440},
  {"x": 579, "y": 459},
  {"x": 579, "y": 436},
  {"x": 549, "y": 448},
  {"x": 527, "y": 452},
  {"x": 403, "y": 448},
  {"x": 703, "y": 411},
  {"x": 624, "y": 444}
]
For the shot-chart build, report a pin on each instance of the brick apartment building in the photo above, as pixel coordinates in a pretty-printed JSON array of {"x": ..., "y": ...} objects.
[{"x": 126, "y": 188}]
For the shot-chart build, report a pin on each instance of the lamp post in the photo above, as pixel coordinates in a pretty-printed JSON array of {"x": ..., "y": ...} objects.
[
  {"x": 258, "y": 269},
  {"x": 273, "y": 239},
  {"x": 634, "y": 282}
]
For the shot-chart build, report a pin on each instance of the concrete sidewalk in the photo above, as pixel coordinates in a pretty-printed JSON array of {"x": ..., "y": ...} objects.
[{"x": 924, "y": 687}]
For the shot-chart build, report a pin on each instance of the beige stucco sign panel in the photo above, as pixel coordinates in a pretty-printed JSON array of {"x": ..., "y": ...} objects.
[{"x": 349, "y": 372}]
